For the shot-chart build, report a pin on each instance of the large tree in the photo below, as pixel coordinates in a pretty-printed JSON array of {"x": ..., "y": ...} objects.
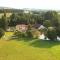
[
  {"x": 53, "y": 16},
  {"x": 3, "y": 22},
  {"x": 47, "y": 23},
  {"x": 13, "y": 20}
]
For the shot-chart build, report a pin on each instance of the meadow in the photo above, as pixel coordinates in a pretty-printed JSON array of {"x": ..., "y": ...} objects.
[{"x": 28, "y": 49}]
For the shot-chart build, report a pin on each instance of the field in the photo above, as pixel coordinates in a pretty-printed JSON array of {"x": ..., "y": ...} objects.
[
  {"x": 7, "y": 14},
  {"x": 29, "y": 49}
]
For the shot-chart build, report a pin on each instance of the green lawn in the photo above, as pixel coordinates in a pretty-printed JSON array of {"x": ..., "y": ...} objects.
[{"x": 29, "y": 50}]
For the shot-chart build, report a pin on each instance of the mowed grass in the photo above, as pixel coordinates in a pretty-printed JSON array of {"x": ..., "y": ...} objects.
[{"x": 23, "y": 49}]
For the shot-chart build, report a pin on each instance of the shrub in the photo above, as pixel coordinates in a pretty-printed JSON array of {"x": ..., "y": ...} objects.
[
  {"x": 47, "y": 23},
  {"x": 20, "y": 34},
  {"x": 35, "y": 33},
  {"x": 1, "y": 32},
  {"x": 58, "y": 31},
  {"x": 17, "y": 33},
  {"x": 51, "y": 33},
  {"x": 43, "y": 30},
  {"x": 29, "y": 34}
]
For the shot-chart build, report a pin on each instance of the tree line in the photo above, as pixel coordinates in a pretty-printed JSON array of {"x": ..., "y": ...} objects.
[{"x": 49, "y": 18}]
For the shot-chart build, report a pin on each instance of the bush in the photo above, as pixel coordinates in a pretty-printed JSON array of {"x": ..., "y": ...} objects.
[
  {"x": 47, "y": 23},
  {"x": 20, "y": 34},
  {"x": 1, "y": 32},
  {"x": 51, "y": 33},
  {"x": 35, "y": 33},
  {"x": 58, "y": 31},
  {"x": 17, "y": 34},
  {"x": 29, "y": 34},
  {"x": 43, "y": 30}
]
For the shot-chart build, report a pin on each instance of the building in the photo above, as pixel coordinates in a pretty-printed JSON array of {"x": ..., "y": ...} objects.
[
  {"x": 41, "y": 27},
  {"x": 22, "y": 27},
  {"x": 11, "y": 29}
]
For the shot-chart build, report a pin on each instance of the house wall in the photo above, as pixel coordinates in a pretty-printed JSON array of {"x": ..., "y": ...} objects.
[{"x": 21, "y": 28}]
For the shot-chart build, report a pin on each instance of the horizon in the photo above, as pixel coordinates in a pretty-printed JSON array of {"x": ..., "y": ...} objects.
[{"x": 31, "y": 4}]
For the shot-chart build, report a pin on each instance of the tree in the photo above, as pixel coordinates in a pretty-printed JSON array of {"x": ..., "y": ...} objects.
[
  {"x": 58, "y": 31},
  {"x": 52, "y": 33},
  {"x": 1, "y": 32},
  {"x": 13, "y": 20},
  {"x": 3, "y": 22},
  {"x": 53, "y": 16},
  {"x": 39, "y": 19},
  {"x": 47, "y": 23}
]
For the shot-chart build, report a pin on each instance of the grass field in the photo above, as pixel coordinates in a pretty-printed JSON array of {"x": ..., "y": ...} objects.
[
  {"x": 7, "y": 14},
  {"x": 29, "y": 49}
]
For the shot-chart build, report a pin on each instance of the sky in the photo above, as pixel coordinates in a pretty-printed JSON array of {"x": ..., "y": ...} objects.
[{"x": 36, "y": 4}]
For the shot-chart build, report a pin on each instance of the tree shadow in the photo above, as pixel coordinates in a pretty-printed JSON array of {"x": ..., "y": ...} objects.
[
  {"x": 25, "y": 39},
  {"x": 44, "y": 43}
]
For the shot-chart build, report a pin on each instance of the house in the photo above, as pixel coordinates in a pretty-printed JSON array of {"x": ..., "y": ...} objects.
[
  {"x": 22, "y": 27},
  {"x": 41, "y": 27},
  {"x": 42, "y": 36},
  {"x": 11, "y": 29},
  {"x": 26, "y": 10},
  {"x": 36, "y": 25}
]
